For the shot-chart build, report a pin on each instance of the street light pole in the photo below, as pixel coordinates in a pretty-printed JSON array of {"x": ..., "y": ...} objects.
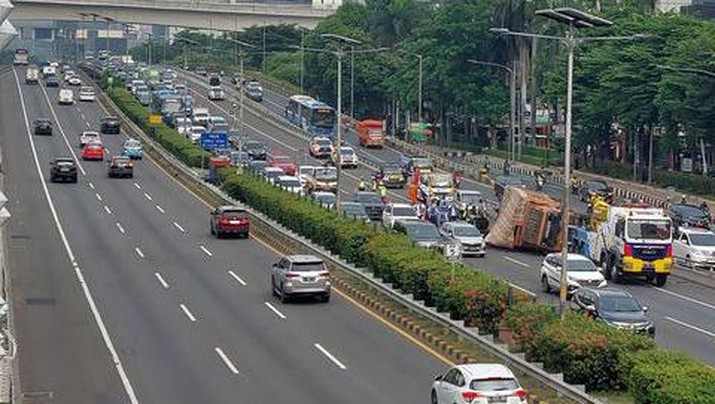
[
  {"x": 302, "y": 59},
  {"x": 512, "y": 100},
  {"x": 352, "y": 81},
  {"x": 240, "y": 45},
  {"x": 575, "y": 19},
  {"x": 419, "y": 91}
]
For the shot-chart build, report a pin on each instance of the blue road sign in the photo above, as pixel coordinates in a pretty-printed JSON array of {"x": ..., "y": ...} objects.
[{"x": 214, "y": 140}]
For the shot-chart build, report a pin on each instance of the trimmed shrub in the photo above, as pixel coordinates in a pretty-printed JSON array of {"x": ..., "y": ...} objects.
[
  {"x": 170, "y": 139},
  {"x": 665, "y": 377}
]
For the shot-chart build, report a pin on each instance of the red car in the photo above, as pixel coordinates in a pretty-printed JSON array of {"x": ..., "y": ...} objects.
[
  {"x": 227, "y": 220},
  {"x": 283, "y": 162},
  {"x": 93, "y": 151}
]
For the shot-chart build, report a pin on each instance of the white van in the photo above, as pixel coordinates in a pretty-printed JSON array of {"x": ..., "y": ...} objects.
[
  {"x": 66, "y": 96},
  {"x": 86, "y": 93},
  {"x": 201, "y": 117}
]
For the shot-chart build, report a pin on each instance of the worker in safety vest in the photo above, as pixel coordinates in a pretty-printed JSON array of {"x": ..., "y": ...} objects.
[
  {"x": 412, "y": 190},
  {"x": 383, "y": 193}
]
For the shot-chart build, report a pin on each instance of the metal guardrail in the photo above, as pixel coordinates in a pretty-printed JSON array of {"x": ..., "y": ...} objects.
[{"x": 554, "y": 381}]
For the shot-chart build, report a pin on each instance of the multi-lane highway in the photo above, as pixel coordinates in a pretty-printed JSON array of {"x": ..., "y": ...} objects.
[
  {"x": 120, "y": 294},
  {"x": 684, "y": 312}
]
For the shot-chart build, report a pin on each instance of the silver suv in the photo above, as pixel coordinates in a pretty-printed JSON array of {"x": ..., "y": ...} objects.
[{"x": 300, "y": 275}]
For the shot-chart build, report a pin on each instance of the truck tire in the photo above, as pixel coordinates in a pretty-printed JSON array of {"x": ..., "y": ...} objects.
[
  {"x": 605, "y": 269},
  {"x": 660, "y": 280},
  {"x": 545, "y": 287},
  {"x": 616, "y": 276}
]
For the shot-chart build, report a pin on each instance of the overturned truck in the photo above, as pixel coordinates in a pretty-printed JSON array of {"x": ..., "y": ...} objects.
[{"x": 527, "y": 220}]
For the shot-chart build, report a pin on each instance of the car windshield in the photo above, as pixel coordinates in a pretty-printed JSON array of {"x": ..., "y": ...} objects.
[
  {"x": 353, "y": 209},
  {"x": 233, "y": 214},
  {"x": 252, "y": 145},
  {"x": 323, "y": 142},
  {"x": 440, "y": 180},
  {"x": 121, "y": 161},
  {"x": 581, "y": 265},
  {"x": 65, "y": 163},
  {"x": 369, "y": 198},
  {"x": 305, "y": 170},
  {"x": 291, "y": 183},
  {"x": 324, "y": 118},
  {"x": 597, "y": 185},
  {"x": 346, "y": 151},
  {"x": 326, "y": 174},
  {"x": 403, "y": 211},
  {"x": 619, "y": 304},
  {"x": 420, "y": 230},
  {"x": 469, "y": 198},
  {"x": 493, "y": 384},
  {"x": 648, "y": 229},
  {"x": 702, "y": 240},
  {"x": 281, "y": 159},
  {"x": 422, "y": 162},
  {"x": 307, "y": 267},
  {"x": 466, "y": 231},
  {"x": 688, "y": 211},
  {"x": 90, "y": 134},
  {"x": 392, "y": 169},
  {"x": 325, "y": 199},
  {"x": 132, "y": 144},
  {"x": 86, "y": 90}
]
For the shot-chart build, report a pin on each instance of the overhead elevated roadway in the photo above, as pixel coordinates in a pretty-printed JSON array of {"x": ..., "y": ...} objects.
[{"x": 222, "y": 15}]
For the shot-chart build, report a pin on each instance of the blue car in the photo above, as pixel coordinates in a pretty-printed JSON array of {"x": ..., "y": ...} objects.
[{"x": 132, "y": 148}]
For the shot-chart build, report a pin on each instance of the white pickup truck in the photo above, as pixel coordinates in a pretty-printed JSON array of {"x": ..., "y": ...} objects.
[{"x": 66, "y": 96}]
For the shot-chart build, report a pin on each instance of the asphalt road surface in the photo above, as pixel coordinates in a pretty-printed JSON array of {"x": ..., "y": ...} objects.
[
  {"x": 683, "y": 312},
  {"x": 188, "y": 318}
]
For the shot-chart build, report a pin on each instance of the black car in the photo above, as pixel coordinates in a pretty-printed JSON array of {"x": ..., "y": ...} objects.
[
  {"x": 687, "y": 215},
  {"x": 110, "y": 125},
  {"x": 52, "y": 81},
  {"x": 372, "y": 203},
  {"x": 120, "y": 167},
  {"x": 214, "y": 80},
  {"x": 500, "y": 184},
  {"x": 591, "y": 188},
  {"x": 255, "y": 150},
  {"x": 615, "y": 307},
  {"x": 392, "y": 175},
  {"x": 42, "y": 126},
  {"x": 353, "y": 210},
  {"x": 63, "y": 169}
]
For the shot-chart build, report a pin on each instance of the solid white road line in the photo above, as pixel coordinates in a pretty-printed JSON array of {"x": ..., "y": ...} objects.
[
  {"x": 237, "y": 278},
  {"x": 181, "y": 229},
  {"x": 207, "y": 252},
  {"x": 98, "y": 196},
  {"x": 77, "y": 270},
  {"x": 139, "y": 252},
  {"x": 187, "y": 312},
  {"x": 690, "y": 299},
  {"x": 517, "y": 262},
  {"x": 137, "y": 186},
  {"x": 160, "y": 209},
  {"x": 91, "y": 186},
  {"x": 273, "y": 309},
  {"x": 692, "y": 327},
  {"x": 106, "y": 209},
  {"x": 515, "y": 286},
  {"x": 161, "y": 280},
  {"x": 62, "y": 131},
  {"x": 119, "y": 226},
  {"x": 147, "y": 196},
  {"x": 330, "y": 356},
  {"x": 226, "y": 361}
]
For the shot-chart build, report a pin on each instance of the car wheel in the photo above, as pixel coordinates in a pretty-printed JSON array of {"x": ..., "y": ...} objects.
[
  {"x": 274, "y": 291},
  {"x": 604, "y": 268},
  {"x": 74, "y": 180},
  {"x": 615, "y": 275},
  {"x": 545, "y": 287},
  {"x": 52, "y": 178},
  {"x": 211, "y": 228},
  {"x": 433, "y": 397},
  {"x": 283, "y": 296},
  {"x": 660, "y": 280},
  {"x": 325, "y": 298}
]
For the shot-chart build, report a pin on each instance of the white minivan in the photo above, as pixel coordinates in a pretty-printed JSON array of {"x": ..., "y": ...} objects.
[{"x": 66, "y": 96}]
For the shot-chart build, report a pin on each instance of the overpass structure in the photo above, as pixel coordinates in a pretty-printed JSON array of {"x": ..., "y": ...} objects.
[{"x": 221, "y": 15}]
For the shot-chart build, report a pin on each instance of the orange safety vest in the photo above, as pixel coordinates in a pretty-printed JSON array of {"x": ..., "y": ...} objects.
[{"x": 412, "y": 193}]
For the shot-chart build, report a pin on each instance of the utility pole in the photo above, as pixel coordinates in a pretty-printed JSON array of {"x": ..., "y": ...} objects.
[
  {"x": 533, "y": 89},
  {"x": 302, "y": 59},
  {"x": 352, "y": 81}
]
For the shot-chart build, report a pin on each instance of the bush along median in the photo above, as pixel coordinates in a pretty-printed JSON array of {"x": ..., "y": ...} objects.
[
  {"x": 586, "y": 351},
  {"x": 171, "y": 140}
]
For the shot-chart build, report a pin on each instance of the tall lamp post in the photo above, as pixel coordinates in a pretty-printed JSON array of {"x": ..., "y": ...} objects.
[
  {"x": 512, "y": 101},
  {"x": 574, "y": 19},
  {"x": 302, "y": 55},
  {"x": 341, "y": 42},
  {"x": 419, "y": 84},
  {"x": 241, "y": 45}
]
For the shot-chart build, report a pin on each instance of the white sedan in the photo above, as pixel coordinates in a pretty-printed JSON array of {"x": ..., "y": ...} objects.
[
  {"x": 581, "y": 272},
  {"x": 397, "y": 211},
  {"x": 695, "y": 248},
  {"x": 481, "y": 383}
]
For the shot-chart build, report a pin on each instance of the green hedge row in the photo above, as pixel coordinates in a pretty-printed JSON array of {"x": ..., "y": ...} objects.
[
  {"x": 585, "y": 351},
  {"x": 170, "y": 139}
]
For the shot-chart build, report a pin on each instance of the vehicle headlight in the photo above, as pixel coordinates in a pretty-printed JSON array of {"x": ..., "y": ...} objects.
[{"x": 603, "y": 284}]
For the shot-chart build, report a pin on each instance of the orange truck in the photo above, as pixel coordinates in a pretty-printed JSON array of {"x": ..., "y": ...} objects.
[{"x": 371, "y": 133}]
